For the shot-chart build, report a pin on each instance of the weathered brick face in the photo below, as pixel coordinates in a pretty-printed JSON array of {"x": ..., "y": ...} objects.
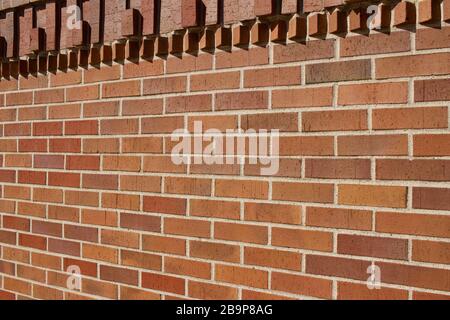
[{"x": 87, "y": 178}]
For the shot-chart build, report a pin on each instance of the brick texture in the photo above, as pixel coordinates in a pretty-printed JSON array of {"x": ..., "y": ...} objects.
[{"x": 87, "y": 178}]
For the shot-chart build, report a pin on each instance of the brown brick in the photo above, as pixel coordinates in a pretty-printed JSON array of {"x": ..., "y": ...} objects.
[
  {"x": 338, "y": 71},
  {"x": 303, "y": 192},
  {"x": 431, "y": 90},
  {"x": 337, "y": 168},
  {"x": 373, "y": 145},
  {"x": 431, "y": 198},
  {"x": 424, "y": 170},
  {"x": 373, "y": 93},
  {"x": 413, "y": 224},
  {"x": 302, "y": 239},
  {"x": 348, "y": 120},
  {"x": 388, "y": 248},
  {"x": 370, "y": 195},
  {"x": 303, "y": 285},
  {"x": 410, "y": 118},
  {"x": 431, "y": 145}
]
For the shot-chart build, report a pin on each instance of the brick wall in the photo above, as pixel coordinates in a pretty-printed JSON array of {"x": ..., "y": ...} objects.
[{"x": 87, "y": 178}]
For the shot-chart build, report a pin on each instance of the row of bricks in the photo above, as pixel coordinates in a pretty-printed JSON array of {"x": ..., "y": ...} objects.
[
  {"x": 401, "y": 223},
  {"x": 357, "y": 45},
  {"x": 428, "y": 90},
  {"x": 315, "y": 168},
  {"x": 311, "y": 121},
  {"x": 356, "y": 195},
  {"x": 393, "y": 249},
  {"x": 198, "y": 290},
  {"x": 286, "y": 284},
  {"x": 329, "y": 266},
  {"x": 316, "y": 121},
  {"x": 118, "y": 25},
  {"x": 424, "y": 145}
]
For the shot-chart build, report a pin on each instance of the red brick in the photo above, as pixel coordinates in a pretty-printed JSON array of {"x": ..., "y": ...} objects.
[
  {"x": 242, "y": 276},
  {"x": 410, "y": 118},
  {"x": 63, "y": 179},
  {"x": 302, "y": 285},
  {"x": 348, "y": 120},
  {"x": 417, "y": 65},
  {"x": 431, "y": 38},
  {"x": 144, "y": 68},
  {"x": 303, "y": 192},
  {"x": 32, "y": 241},
  {"x": 339, "y": 218},
  {"x": 242, "y": 58},
  {"x": 120, "y": 275},
  {"x": 355, "y": 291},
  {"x": 241, "y": 232},
  {"x": 424, "y": 170},
  {"x": 270, "y": 121},
  {"x": 100, "y": 181},
  {"x": 312, "y": 50},
  {"x": 375, "y": 43},
  {"x": 165, "y": 85},
  {"x": 121, "y": 201},
  {"x": 431, "y": 145},
  {"x": 242, "y": 189},
  {"x": 49, "y": 161},
  {"x": 142, "y": 107},
  {"x": 214, "y": 208},
  {"x": 267, "y": 77},
  {"x": 370, "y": 195},
  {"x": 415, "y": 276},
  {"x": 431, "y": 90},
  {"x": 276, "y": 213},
  {"x": 413, "y": 224},
  {"x": 388, "y": 248},
  {"x": 272, "y": 258},
  {"x": 70, "y": 248},
  {"x": 48, "y": 96},
  {"x": 301, "y": 98},
  {"x": 120, "y": 238},
  {"x": 165, "y": 205},
  {"x": 47, "y": 228},
  {"x": 32, "y": 177},
  {"x": 101, "y": 109},
  {"x": 214, "y": 251},
  {"x": 337, "y": 168},
  {"x": 161, "y": 124},
  {"x": 373, "y": 145},
  {"x": 164, "y": 244},
  {"x": 82, "y": 163},
  {"x": 83, "y": 93},
  {"x": 163, "y": 283},
  {"x": 121, "y": 89},
  {"x": 337, "y": 267},
  {"x": 65, "y": 145},
  {"x": 302, "y": 239},
  {"x": 210, "y": 291},
  {"x": 84, "y": 127},
  {"x": 431, "y": 251},
  {"x": 181, "y": 104},
  {"x": 242, "y": 100},
  {"x": 431, "y": 198},
  {"x": 102, "y": 74},
  {"x": 215, "y": 81},
  {"x": 373, "y": 93},
  {"x": 338, "y": 71}
]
